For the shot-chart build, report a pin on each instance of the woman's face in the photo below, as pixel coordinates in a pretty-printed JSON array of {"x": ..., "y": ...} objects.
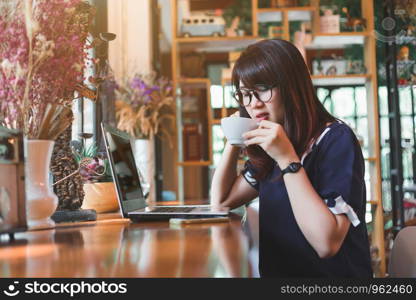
[{"x": 272, "y": 110}]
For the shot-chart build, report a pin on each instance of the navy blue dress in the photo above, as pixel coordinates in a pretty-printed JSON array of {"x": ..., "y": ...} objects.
[{"x": 335, "y": 167}]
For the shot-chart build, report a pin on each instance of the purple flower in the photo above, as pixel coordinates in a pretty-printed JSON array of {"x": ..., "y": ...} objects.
[
  {"x": 148, "y": 93},
  {"x": 138, "y": 84}
]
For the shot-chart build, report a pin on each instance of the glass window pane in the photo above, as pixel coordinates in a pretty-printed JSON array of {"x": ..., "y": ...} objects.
[
  {"x": 350, "y": 121},
  {"x": 216, "y": 96},
  {"x": 405, "y": 99},
  {"x": 229, "y": 101},
  {"x": 384, "y": 130},
  {"x": 407, "y": 160},
  {"x": 414, "y": 96},
  {"x": 76, "y": 122},
  {"x": 361, "y": 99},
  {"x": 322, "y": 93},
  {"x": 387, "y": 205},
  {"x": 407, "y": 127},
  {"x": 368, "y": 214},
  {"x": 343, "y": 102},
  {"x": 88, "y": 120},
  {"x": 362, "y": 131},
  {"x": 218, "y": 143},
  {"x": 382, "y": 99}
]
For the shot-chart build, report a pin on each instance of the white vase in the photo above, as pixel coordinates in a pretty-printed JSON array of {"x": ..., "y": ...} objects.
[
  {"x": 144, "y": 155},
  {"x": 41, "y": 201}
]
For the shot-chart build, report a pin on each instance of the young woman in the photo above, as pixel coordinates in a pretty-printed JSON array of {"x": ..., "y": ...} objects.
[{"x": 305, "y": 166}]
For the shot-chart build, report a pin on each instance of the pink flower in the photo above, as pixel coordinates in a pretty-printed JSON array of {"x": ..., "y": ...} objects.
[{"x": 58, "y": 43}]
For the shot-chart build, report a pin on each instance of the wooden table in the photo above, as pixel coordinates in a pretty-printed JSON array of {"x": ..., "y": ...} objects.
[{"x": 114, "y": 247}]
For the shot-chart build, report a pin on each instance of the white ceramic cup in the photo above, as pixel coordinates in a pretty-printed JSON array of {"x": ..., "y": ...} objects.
[{"x": 234, "y": 127}]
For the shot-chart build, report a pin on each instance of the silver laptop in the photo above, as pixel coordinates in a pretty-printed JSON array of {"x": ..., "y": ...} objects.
[{"x": 129, "y": 189}]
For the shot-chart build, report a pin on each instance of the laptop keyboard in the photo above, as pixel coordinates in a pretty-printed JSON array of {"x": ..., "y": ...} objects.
[{"x": 172, "y": 209}]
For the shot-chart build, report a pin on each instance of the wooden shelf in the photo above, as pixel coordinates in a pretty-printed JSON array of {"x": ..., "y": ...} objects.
[
  {"x": 194, "y": 82},
  {"x": 194, "y": 163},
  {"x": 265, "y": 15},
  {"x": 337, "y": 40},
  {"x": 347, "y": 79},
  {"x": 371, "y": 159},
  {"x": 373, "y": 202},
  {"x": 341, "y": 76},
  {"x": 344, "y": 34},
  {"x": 198, "y": 39},
  {"x": 216, "y": 122},
  {"x": 280, "y": 9},
  {"x": 215, "y": 44}
]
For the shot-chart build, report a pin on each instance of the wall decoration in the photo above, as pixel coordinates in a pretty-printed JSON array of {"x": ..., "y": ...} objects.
[{"x": 334, "y": 66}]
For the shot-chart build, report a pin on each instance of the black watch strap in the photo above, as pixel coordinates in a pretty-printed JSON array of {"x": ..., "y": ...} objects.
[{"x": 292, "y": 168}]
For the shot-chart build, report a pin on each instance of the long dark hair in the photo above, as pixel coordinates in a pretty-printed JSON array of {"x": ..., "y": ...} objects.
[{"x": 279, "y": 62}]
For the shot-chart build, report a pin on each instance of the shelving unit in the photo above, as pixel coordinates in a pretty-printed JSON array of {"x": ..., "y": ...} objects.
[
  {"x": 355, "y": 79},
  {"x": 320, "y": 41}
]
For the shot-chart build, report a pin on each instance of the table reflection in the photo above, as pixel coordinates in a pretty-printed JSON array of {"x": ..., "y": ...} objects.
[{"x": 129, "y": 250}]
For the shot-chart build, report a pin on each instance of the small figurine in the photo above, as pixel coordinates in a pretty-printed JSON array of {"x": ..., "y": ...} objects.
[
  {"x": 354, "y": 22},
  {"x": 410, "y": 30},
  {"x": 413, "y": 78},
  {"x": 232, "y": 30},
  {"x": 332, "y": 70},
  {"x": 403, "y": 53}
]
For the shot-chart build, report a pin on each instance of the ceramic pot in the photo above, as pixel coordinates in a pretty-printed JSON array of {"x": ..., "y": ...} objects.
[
  {"x": 100, "y": 196},
  {"x": 144, "y": 155},
  {"x": 41, "y": 201}
]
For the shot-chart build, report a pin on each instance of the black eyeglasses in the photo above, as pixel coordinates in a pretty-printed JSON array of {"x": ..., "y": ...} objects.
[{"x": 262, "y": 92}]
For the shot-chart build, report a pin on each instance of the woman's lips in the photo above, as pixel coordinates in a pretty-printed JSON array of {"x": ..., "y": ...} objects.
[{"x": 263, "y": 116}]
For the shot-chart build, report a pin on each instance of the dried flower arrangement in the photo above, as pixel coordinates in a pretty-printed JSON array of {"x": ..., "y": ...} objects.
[
  {"x": 144, "y": 103},
  {"x": 43, "y": 53}
]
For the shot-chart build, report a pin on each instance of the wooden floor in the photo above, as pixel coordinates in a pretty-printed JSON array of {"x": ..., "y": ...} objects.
[{"x": 114, "y": 247}]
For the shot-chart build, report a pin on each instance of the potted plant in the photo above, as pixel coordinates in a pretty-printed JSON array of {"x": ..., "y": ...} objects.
[
  {"x": 355, "y": 60},
  {"x": 144, "y": 103},
  {"x": 239, "y": 12},
  {"x": 98, "y": 185},
  {"x": 331, "y": 14},
  {"x": 145, "y": 108}
]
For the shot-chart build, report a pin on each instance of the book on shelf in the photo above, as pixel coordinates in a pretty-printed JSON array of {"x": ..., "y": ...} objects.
[{"x": 191, "y": 142}]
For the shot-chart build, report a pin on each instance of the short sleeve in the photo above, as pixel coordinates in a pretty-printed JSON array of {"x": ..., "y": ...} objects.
[
  {"x": 248, "y": 173},
  {"x": 341, "y": 174}
]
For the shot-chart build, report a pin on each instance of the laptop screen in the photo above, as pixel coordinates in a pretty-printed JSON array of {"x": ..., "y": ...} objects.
[{"x": 124, "y": 169}]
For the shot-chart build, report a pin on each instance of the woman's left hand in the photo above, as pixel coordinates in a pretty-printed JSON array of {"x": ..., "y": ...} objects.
[{"x": 273, "y": 139}]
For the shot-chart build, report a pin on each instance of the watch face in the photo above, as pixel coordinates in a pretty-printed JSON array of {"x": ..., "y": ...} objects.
[{"x": 294, "y": 167}]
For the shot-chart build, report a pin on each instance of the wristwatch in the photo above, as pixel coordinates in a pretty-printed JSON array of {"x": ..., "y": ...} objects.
[{"x": 292, "y": 168}]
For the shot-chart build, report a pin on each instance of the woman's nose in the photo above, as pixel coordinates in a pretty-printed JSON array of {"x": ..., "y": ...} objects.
[{"x": 256, "y": 102}]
